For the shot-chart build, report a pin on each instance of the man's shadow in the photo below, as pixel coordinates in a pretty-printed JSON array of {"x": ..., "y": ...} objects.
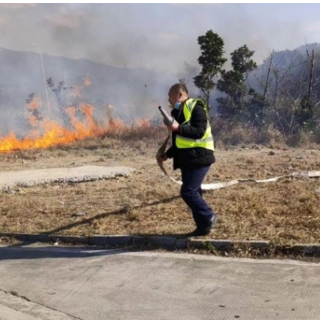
[
  {"x": 21, "y": 252},
  {"x": 17, "y": 251},
  {"x": 122, "y": 211}
]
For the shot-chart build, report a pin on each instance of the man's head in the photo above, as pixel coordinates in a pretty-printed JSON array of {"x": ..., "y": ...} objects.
[{"x": 177, "y": 93}]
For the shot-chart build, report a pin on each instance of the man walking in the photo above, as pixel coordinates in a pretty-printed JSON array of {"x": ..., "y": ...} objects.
[{"x": 192, "y": 152}]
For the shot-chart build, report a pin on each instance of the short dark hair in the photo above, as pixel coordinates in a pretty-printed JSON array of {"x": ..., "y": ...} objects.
[{"x": 179, "y": 87}]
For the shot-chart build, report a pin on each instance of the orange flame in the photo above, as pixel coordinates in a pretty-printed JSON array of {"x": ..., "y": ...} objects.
[
  {"x": 46, "y": 133},
  {"x": 76, "y": 90},
  {"x": 55, "y": 134},
  {"x": 33, "y": 107},
  {"x": 33, "y": 121}
]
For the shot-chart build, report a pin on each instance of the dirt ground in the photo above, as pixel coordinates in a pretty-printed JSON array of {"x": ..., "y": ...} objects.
[{"x": 147, "y": 202}]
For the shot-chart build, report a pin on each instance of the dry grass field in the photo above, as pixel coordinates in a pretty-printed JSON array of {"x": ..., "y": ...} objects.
[{"x": 148, "y": 203}]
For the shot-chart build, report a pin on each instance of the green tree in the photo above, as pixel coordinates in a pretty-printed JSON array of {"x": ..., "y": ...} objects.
[
  {"x": 305, "y": 115},
  {"x": 211, "y": 61},
  {"x": 232, "y": 83}
]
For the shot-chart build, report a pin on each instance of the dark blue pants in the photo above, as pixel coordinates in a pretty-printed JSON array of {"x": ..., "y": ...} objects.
[{"x": 191, "y": 193}]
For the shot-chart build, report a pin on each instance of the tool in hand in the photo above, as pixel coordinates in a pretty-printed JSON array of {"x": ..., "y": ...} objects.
[{"x": 167, "y": 119}]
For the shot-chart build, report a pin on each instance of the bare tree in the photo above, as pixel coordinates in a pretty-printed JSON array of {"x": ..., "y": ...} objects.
[
  {"x": 311, "y": 74},
  {"x": 59, "y": 92}
]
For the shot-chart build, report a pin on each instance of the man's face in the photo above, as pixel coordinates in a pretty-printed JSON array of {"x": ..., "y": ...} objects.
[{"x": 174, "y": 97}]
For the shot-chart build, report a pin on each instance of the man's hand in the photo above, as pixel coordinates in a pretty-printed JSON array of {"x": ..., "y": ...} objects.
[{"x": 174, "y": 127}]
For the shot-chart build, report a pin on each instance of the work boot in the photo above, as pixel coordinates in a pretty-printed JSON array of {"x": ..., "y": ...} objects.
[{"x": 203, "y": 230}]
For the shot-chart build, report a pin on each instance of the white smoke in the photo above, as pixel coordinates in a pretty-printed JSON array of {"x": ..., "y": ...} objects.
[{"x": 152, "y": 45}]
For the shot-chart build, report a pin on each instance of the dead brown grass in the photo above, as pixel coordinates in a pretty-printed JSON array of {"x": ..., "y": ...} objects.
[
  {"x": 234, "y": 134},
  {"x": 149, "y": 203}
]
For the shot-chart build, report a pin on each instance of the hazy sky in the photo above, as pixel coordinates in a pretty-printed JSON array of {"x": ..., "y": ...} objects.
[{"x": 158, "y": 36}]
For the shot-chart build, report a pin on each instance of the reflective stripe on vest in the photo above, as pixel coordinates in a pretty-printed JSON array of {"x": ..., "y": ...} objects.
[{"x": 206, "y": 141}]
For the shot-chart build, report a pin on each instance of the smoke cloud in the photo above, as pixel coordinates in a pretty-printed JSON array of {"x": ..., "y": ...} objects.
[{"x": 132, "y": 52}]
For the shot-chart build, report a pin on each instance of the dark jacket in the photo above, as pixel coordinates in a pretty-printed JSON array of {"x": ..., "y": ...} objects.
[{"x": 190, "y": 157}]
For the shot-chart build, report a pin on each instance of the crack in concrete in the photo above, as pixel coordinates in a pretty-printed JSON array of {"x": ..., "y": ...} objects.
[{"x": 16, "y": 294}]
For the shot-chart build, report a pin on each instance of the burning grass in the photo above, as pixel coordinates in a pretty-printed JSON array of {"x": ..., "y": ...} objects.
[
  {"x": 77, "y": 123},
  {"x": 57, "y": 135}
]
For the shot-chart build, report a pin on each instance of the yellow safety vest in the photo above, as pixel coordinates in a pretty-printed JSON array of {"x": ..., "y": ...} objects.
[{"x": 207, "y": 140}]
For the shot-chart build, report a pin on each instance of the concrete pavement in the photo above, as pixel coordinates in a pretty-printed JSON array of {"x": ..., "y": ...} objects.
[
  {"x": 29, "y": 178},
  {"x": 56, "y": 283},
  {"x": 20, "y": 308}
]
